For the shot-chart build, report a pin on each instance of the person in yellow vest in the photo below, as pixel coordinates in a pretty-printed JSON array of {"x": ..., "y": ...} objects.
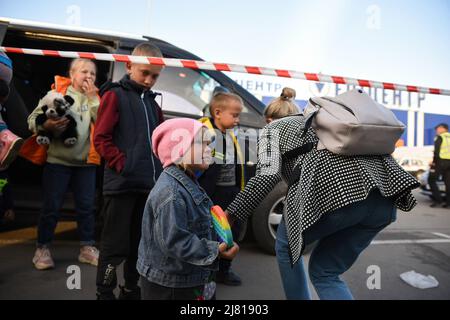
[
  {"x": 441, "y": 165},
  {"x": 226, "y": 177},
  {"x": 70, "y": 167}
]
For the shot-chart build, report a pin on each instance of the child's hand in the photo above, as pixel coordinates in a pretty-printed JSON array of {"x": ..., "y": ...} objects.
[
  {"x": 56, "y": 126},
  {"x": 89, "y": 88},
  {"x": 230, "y": 253}
]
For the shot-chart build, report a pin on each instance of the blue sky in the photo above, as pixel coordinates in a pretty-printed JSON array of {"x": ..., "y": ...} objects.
[{"x": 399, "y": 41}]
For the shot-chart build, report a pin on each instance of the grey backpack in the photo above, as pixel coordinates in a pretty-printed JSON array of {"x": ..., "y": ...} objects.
[{"x": 353, "y": 124}]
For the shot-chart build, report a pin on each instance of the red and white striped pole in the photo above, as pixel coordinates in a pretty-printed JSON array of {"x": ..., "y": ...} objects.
[{"x": 203, "y": 65}]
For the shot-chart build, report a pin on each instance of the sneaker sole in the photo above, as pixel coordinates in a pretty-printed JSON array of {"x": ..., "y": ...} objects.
[
  {"x": 83, "y": 260},
  {"x": 12, "y": 153}
]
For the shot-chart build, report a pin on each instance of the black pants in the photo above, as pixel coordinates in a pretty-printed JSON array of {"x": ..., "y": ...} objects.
[
  {"x": 432, "y": 181},
  {"x": 223, "y": 196},
  {"x": 153, "y": 291},
  {"x": 444, "y": 169},
  {"x": 120, "y": 240}
]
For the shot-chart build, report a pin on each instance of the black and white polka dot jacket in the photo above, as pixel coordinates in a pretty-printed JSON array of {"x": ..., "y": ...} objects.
[{"x": 327, "y": 181}]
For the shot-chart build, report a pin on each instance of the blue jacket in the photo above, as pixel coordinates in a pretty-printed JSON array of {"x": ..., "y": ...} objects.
[{"x": 178, "y": 247}]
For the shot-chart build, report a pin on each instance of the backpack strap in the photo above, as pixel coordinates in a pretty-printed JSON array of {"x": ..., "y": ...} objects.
[
  {"x": 310, "y": 117},
  {"x": 294, "y": 153},
  {"x": 307, "y": 147}
]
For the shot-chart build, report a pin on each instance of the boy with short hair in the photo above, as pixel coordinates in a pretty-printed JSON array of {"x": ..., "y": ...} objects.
[
  {"x": 126, "y": 119},
  {"x": 226, "y": 177}
]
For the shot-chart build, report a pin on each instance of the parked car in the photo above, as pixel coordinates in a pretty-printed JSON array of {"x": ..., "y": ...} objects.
[
  {"x": 425, "y": 187},
  {"x": 415, "y": 166},
  {"x": 185, "y": 93}
]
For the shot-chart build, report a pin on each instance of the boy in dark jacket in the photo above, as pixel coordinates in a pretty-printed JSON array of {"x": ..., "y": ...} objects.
[
  {"x": 127, "y": 116},
  {"x": 226, "y": 177}
]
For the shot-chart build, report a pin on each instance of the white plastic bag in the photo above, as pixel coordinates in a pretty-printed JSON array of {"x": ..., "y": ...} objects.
[{"x": 418, "y": 280}]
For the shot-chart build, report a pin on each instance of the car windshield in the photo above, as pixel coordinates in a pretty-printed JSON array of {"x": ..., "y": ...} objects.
[{"x": 187, "y": 91}]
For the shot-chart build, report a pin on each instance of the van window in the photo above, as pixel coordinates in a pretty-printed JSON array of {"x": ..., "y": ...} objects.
[
  {"x": 186, "y": 91},
  {"x": 33, "y": 75}
]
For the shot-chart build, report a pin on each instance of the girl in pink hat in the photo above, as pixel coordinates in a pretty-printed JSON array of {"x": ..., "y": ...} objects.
[{"x": 179, "y": 251}]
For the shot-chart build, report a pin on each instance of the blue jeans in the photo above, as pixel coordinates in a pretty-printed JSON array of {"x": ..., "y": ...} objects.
[
  {"x": 342, "y": 235},
  {"x": 56, "y": 180}
]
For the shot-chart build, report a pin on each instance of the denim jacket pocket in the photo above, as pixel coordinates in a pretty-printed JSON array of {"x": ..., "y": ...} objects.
[{"x": 202, "y": 227}]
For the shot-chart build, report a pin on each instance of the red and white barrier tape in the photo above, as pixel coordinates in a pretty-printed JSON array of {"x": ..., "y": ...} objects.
[{"x": 203, "y": 65}]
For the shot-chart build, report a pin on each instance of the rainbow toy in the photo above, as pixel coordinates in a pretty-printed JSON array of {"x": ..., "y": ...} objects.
[{"x": 222, "y": 226}]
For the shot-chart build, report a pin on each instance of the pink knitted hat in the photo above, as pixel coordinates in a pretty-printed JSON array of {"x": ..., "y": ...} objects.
[{"x": 173, "y": 138}]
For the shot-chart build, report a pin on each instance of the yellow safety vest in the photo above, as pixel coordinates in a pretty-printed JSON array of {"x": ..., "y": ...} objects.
[{"x": 444, "y": 152}]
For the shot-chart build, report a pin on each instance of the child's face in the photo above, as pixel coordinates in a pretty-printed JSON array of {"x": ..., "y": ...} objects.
[
  {"x": 228, "y": 116},
  {"x": 200, "y": 152},
  {"x": 144, "y": 74},
  {"x": 83, "y": 74},
  {"x": 269, "y": 120}
]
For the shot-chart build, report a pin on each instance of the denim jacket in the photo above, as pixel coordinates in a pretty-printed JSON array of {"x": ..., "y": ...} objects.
[{"x": 178, "y": 247}]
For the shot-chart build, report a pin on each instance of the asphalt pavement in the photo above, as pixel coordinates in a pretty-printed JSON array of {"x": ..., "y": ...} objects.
[{"x": 418, "y": 241}]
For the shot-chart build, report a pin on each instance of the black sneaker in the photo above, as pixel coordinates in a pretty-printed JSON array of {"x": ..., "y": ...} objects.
[
  {"x": 445, "y": 205},
  {"x": 228, "y": 278},
  {"x": 106, "y": 296},
  {"x": 126, "y": 294}
]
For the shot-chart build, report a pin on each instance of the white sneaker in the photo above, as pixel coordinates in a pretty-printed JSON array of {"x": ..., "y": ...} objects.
[
  {"x": 42, "y": 259},
  {"x": 89, "y": 255}
]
